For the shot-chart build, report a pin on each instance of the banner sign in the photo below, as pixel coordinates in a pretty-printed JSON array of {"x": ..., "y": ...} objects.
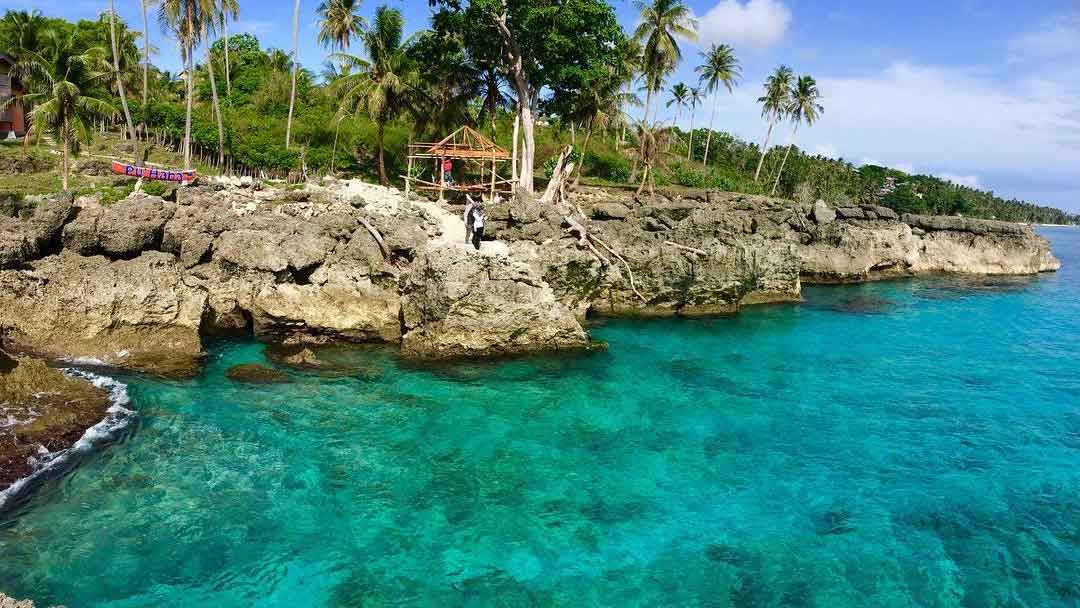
[{"x": 148, "y": 173}]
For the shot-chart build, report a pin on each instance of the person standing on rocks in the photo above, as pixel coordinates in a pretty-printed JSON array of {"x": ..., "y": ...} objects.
[
  {"x": 470, "y": 204},
  {"x": 478, "y": 217}
]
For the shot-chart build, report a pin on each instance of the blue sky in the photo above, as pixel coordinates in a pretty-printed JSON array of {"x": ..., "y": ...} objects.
[{"x": 986, "y": 93}]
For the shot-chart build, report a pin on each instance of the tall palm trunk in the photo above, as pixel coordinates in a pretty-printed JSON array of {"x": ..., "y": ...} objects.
[
  {"x": 66, "y": 136},
  {"x": 190, "y": 93},
  {"x": 120, "y": 80},
  {"x": 146, "y": 53},
  {"x": 295, "y": 67},
  {"x": 764, "y": 150},
  {"x": 784, "y": 162},
  {"x": 382, "y": 160},
  {"x": 708, "y": 137},
  {"x": 217, "y": 106},
  {"x": 690, "y": 148},
  {"x": 333, "y": 154},
  {"x": 228, "y": 79},
  {"x": 648, "y": 104}
]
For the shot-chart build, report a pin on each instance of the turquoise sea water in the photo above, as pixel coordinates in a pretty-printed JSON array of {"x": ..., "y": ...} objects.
[{"x": 912, "y": 443}]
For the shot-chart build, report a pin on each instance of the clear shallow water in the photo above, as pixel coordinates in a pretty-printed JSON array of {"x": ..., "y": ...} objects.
[{"x": 911, "y": 443}]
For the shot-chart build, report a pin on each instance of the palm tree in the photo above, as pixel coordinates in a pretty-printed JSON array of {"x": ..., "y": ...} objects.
[
  {"x": 382, "y": 84},
  {"x": 774, "y": 105},
  {"x": 679, "y": 94},
  {"x": 185, "y": 19},
  {"x": 214, "y": 95},
  {"x": 803, "y": 107},
  {"x": 230, "y": 9},
  {"x": 721, "y": 67},
  {"x": 696, "y": 97},
  {"x": 662, "y": 23},
  {"x": 62, "y": 85},
  {"x": 25, "y": 30},
  {"x": 295, "y": 69},
  {"x": 339, "y": 23},
  {"x": 120, "y": 80},
  {"x": 600, "y": 104}
]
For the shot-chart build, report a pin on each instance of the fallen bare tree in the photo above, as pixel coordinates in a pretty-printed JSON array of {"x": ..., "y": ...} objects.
[{"x": 555, "y": 195}]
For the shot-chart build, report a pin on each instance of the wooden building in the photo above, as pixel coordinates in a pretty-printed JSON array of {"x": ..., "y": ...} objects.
[
  {"x": 477, "y": 161},
  {"x": 12, "y": 121}
]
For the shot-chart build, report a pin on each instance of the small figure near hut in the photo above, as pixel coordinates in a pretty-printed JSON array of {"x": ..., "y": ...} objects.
[
  {"x": 470, "y": 204},
  {"x": 478, "y": 219},
  {"x": 448, "y": 171}
]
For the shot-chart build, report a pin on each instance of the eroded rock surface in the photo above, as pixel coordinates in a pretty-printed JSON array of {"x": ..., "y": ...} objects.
[
  {"x": 41, "y": 409},
  {"x": 137, "y": 283},
  {"x": 457, "y": 303}
]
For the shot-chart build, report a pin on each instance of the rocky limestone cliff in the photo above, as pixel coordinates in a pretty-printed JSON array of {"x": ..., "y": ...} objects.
[{"x": 138, "y": 283}]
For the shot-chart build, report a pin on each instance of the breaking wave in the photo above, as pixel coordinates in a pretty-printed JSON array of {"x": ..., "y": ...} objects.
[{"x": 117, "y": 418}]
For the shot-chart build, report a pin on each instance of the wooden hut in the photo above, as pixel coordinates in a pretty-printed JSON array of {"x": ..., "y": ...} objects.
[{"x": 481, "y": 157}]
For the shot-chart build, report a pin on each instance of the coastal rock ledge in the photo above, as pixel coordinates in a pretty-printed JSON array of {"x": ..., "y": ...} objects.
[{"x": 137, "y": 284}]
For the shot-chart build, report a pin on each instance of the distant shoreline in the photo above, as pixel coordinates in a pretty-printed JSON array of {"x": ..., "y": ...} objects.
[{"x": 1059, "y": 225}]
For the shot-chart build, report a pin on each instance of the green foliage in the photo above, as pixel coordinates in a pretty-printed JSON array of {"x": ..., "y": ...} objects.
[
  {"x": 549, "y": 164},
  {"x": 578, "y": 59},
  {"x": 612, "y": 167}
]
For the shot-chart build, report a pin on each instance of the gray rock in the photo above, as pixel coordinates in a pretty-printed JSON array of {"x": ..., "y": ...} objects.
[
  {"x": 885, "y": 213},
  {"x": 822, "y": 213},
  {"x": 457, "y": 302},
  {"x": 609, "y": 211},
  {"x": 121, "y": 230},
  {"x": 850, "y": 213},
  {"x": 137, "y": 313}
]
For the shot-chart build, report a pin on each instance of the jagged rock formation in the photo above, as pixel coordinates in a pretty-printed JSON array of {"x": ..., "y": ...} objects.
[
  {"x": 137, "y": 283},
  {"x": 450, "y": 294}
]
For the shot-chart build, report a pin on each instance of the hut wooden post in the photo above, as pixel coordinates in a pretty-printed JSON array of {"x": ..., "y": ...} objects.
[
  {"x": 408, "y": 176},
  {"x": 493, "y": 177},
  {"x": 442, "y": 178}
]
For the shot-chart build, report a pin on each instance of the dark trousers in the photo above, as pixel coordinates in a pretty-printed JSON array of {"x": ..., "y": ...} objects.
[{"x": 477, "y": 235}]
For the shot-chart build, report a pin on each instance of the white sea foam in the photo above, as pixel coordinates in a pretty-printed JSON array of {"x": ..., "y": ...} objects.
[{"x": 117, "y": 418}]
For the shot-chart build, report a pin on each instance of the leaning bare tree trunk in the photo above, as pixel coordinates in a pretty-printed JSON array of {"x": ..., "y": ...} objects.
[
  {"x": 217, "y": 106},
  {"x": 764, "y": 151},
  {"x": 584, "y": 149},
  {"x": 708, "y": 138},
  {"x": 120, "y": 81},
  {"x": 782, "y": 163},
  {"x": 333, "y": 155},
  {"x": 690, "y": 148},
  {"x": 526, "y": 100},
  {"x": 295, "y": 67}
]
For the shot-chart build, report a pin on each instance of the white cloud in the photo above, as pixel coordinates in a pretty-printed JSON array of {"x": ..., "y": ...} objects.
[
  {"x": 1058, "y": 36},
  {"x": 827, "y": 150},
  {"x": 971, "y": 181},
  {"x": 754, "y": 25}
]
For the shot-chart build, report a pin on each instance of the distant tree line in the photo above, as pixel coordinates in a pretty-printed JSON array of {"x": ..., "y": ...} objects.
[{"x": 548, "y": 73}]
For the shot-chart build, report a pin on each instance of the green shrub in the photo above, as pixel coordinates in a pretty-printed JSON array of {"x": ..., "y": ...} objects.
[
  {"x": 612, "y": 167},
  {"x": 549, "y": 164}
]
